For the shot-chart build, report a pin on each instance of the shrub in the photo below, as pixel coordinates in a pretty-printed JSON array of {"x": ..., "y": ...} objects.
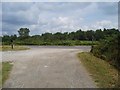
[{"x": 108, "y": 49}]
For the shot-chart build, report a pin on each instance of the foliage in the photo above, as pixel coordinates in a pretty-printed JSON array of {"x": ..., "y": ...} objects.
[
  {"x": 108, "y": 49},
  {"x": 24, "y": 32},
  {"x": 72, "y": 38}
]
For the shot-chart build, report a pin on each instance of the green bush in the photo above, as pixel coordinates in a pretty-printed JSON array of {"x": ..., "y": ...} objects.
[{"x": 108, "y": 49}]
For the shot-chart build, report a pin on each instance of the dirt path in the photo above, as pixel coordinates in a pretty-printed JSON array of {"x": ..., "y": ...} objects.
[{"x": 47, "y": 68}]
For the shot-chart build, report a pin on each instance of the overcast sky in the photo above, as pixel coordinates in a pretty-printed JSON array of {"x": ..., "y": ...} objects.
[{"x": 53, "y": 17}]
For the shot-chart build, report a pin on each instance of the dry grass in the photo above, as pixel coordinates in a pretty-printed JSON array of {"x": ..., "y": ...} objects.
[
  {"x": 4, "y": 71},
  {"x": 8, "y": 48},
  {"x": 104, "y": 74}
]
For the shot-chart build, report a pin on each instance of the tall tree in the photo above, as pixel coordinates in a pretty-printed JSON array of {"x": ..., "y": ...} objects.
[{"x": 24, "y": 32}]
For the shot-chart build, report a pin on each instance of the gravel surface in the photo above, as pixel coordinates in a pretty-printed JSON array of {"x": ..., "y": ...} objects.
[{"x": 47, "y": 67}]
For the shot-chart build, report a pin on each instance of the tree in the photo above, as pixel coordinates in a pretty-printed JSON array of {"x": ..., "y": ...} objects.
[
  {"x": 47, "y": 36},
  {"x": 13, "y": 37},
  {"x": 24, "y": 32},
  {"x": 80, "y": 35},
  {"x": 58, "y": 36},
  {"x": 99, "y": 34},
  {"x": 6, "y": 38},
  {"x": 72, "y": 36},
  {"x": 65, "y": 35},
  {"x": 90, "y": 35}
]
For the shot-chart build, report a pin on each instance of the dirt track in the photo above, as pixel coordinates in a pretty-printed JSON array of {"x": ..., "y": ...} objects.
[{"x": 48, "y": 67}]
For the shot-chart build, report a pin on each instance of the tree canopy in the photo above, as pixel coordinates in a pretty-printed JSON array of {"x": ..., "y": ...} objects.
[{"x": 23, "y": 32}]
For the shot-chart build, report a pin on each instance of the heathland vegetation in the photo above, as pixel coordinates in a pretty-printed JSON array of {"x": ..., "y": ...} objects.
[
  {"x": 79, "y": 37},
  {"x": 109, "y": 49}
]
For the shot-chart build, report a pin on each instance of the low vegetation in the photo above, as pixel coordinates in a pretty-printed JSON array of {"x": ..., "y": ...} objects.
[
  {"x": 15, "y": 48},
  {"x": 5, "y": 71},
  {"x": 57, "y": 43},
  {"x": 104, "y": 74},
  {"x": 109, "y": 50},
  {"x": 78, "y": 37}
]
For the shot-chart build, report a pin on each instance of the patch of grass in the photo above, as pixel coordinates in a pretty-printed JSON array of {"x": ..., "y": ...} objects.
[
  {"x": 104, "y": 74},
  {"x": 8, "y": 48},
  {"x": 5, "y": 71}
]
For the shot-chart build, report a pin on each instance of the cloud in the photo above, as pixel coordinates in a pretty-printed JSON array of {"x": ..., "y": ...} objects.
[
  {"x": 60, "y": 0},
  {"x": 18, "y": 13},
  {"x": 105, "y": 24},
  {"x": 15, "y": 6},
  {"x": 57, "y": 16},
  {"x": 101, "y": 25},
  {"x": 108, "y": 8},
  {"x": 57, "y": 24}
]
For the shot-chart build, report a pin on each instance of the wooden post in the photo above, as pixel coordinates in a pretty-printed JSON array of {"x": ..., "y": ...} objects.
[{"x": 12, "y": 44}]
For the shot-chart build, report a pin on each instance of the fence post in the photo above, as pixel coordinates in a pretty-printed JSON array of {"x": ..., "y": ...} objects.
[{"x": 12, "y": 44}]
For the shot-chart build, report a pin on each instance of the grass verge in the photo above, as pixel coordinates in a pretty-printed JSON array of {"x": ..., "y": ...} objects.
[
  {"x": 16, "y": 48},
  {"x": 104, "y": 74},
  {"x": 5, "y": 71}
]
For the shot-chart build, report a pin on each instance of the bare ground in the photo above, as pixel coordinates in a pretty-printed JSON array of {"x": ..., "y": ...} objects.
[{"x": 47, "y": 67}]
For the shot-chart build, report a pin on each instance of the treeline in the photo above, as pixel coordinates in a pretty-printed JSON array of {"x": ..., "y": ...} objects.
[{"x": 73, "y": 38}]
